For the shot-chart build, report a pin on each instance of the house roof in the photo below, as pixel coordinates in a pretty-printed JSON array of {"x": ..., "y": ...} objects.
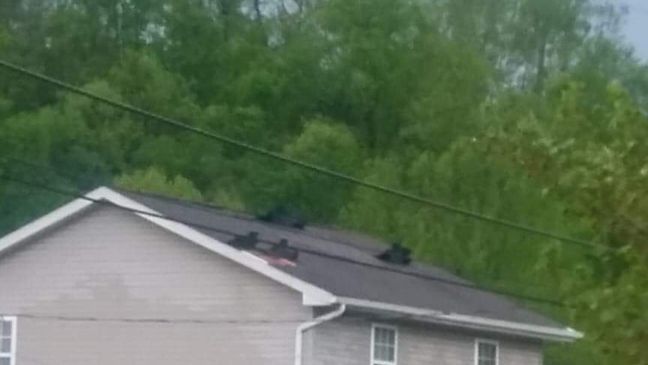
[{"x": 325, "y": 280}]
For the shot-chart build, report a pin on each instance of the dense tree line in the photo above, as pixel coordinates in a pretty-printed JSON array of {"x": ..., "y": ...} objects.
[{"x": 527, "y": 110}]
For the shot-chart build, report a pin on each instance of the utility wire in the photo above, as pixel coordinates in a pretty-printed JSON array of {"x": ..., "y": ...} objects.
[
  {"x": 419, "y": 275},
  {"x": 75, "y": 177},
  {"x": 302, "y": 164}
]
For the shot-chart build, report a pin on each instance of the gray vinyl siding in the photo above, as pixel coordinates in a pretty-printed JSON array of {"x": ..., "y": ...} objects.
[
  {"x": 112, "y": 265},
  {"x": 347, "y": 341}
]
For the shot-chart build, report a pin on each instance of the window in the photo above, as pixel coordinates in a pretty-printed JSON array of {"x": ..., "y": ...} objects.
[
  {"x": 383, "y": 345},
  {"x": 486, "y": 352},
  {"x": 7, "y": 340}
]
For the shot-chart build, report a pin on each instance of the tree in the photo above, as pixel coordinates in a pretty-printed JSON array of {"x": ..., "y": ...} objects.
[
  {"x": 587, "y": 151},
  {"x": 322, "y": 142},
  {"x": 527, "y": 110},
  {"x": 391, "y": 72},
  {"x": 155, "y": 181}
]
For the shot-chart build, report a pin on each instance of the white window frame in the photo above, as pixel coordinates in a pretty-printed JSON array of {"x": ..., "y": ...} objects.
[
  {"x": 11, "y": 355},
  {"x": 373, "y": 360},
  {"x": 487, "y": 342}
]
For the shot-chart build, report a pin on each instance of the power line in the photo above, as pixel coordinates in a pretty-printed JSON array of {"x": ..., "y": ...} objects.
[
  {"x": 433, "y": 278},
  {"x": 74, "y": 177},
  {"x": 301, "y": 164}
]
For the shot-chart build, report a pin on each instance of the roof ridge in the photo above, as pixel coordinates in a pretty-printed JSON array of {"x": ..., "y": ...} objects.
[
  {"x": 415, "y": 266},
  {"x": 189, "y": 202},
  {"x": 213, "y": 208}
]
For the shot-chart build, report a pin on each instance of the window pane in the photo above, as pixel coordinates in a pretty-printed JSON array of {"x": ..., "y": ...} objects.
[
  {"x": 390, "y": 353},
  {"x": 384, "y": 336},
  {"x": 5, "y": 345},
  {"x": 384, "y": 344},
  {"x": 487, "y": 354},
  {"x": 380, "y": 353},
  {"x": 390, "y": 337},
  {"x": 383, "y": 353},
  {"x": 6, "y": 329},
  {"x": 378, "y": 336},
  {"x": 5, "y": 361}
]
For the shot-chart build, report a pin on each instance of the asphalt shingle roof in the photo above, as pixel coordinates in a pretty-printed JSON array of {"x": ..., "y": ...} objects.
[{"x": 347, "y": 279}]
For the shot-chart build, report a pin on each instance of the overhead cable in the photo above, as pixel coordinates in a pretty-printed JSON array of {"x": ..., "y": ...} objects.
[
  {"x": 420, "y": 275},
  {"x": 441, "y": 206}
]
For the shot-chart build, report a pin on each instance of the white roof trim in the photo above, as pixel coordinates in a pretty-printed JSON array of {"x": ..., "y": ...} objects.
[
  {"x": 42, "y": 223},
  {"x": 311, "y": 294},
  {"x": 469, "y": 322}
]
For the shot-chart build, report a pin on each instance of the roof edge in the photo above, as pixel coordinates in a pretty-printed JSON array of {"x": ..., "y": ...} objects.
[
  {"x": 469, "y": 322},
  {"x": 311, "y": 294},
  {"x": 38, "y": 225}
]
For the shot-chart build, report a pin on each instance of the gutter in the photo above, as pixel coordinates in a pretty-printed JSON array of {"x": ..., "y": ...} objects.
[
  {"x": 299, "y": 337},
  {"x": 470, "y": 322}
]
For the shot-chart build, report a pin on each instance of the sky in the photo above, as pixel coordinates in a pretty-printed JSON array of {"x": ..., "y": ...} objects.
[{"x": 636, "y": 28}]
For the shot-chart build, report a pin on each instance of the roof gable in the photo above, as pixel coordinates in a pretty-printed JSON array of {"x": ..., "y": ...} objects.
[
  {"x": 320, "y": 281},
  {"x": 312, "y": 295}
]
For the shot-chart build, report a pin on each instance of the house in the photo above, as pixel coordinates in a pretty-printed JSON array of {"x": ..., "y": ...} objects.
[{"x": 144, "y": 279}]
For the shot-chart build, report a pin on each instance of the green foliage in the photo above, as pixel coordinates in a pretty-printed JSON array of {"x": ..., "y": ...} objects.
[
  {"x": 588, "y": 150},
  {"x": 144, "y": 82},
  {"x": 155, "y": 181},
  {"x": 392, "y": 73},
  {"x": 466, "y": 178},
  {"x": 324, "y": 143},
  {"x": 526, "y": 110}
]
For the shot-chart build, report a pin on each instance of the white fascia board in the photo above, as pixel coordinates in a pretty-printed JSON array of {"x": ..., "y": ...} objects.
[
  {"x": 42, "y": 223},
  {"x": 311, "y": 295},
  {"x": 469, "y": 322}
]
